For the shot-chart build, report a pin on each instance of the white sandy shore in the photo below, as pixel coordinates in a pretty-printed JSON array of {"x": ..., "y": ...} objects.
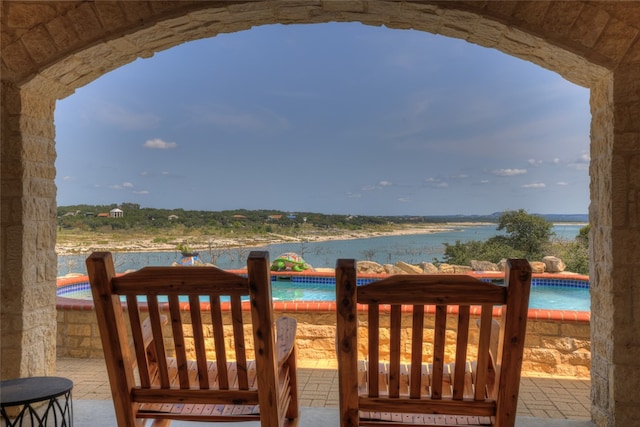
[{"x": 148, "y": 244}]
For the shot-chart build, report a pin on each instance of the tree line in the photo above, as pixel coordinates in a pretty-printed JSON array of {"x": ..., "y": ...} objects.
[{"x": 136, "y": 217}]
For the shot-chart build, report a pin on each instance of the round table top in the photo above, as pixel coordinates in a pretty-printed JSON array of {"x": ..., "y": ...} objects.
[{"x": 33, "y": 389}]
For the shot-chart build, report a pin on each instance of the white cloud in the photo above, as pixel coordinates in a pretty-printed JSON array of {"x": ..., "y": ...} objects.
[
  {"x": 142, "y": 192},
  {"x": 354, "y": 195},
  {"x": 534, "y": 185},
  {"x": 121, "y": 186},
  {"x": 404, "y": 200},
  {"x": 562, "y": 183},
  {"x": 158, "y": 143},
  {"x": 68, "y": 178},
  {"x": 436, "y": 182},
  {"x": 508, "y": 172},
  {"x": 165, "y": 173},
  {"x": 534, "y": 162},
  {"x": 384, "y": 183},
  {"x": 582, "y": 163},
  {"x": 585, "y": 157}
]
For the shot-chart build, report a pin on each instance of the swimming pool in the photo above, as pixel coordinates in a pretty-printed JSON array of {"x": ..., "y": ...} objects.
[{"x": 546, "y": 293}]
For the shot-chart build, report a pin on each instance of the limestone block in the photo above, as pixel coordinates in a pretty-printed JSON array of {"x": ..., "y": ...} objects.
[
  {"x": 483, "y": 266},
  {"x": 461, "y": 269},
  {"x": 408, "y": 268},
  {"x": 542, "y": 356},
  {"x": 553, "y": 264},
  {"x": 428, "y": 267},
  {"x": 446, "y": 269},
  {"x": 543, "y": 328},
  {"x": 316, "y": 331},
  {"x": 580, "y": 357},
  {"x": 395, "y": 270},
  {"x": 537, "y": 267},
  {"x": 369, "y": 267}
]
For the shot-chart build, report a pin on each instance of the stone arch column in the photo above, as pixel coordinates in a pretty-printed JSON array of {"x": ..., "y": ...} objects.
[
  {"x": 615, "y": 248},
  {"x": 28, "y": 207}
]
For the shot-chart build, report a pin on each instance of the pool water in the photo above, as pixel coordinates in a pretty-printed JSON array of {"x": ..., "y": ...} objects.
[{"x": 552, "y": 294}]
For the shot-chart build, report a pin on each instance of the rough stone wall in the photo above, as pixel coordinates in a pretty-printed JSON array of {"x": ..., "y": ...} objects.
[
  {"x": 551, "y": 347},
  {"x": 601, "y": 282},
  {"x": 29, "y": 264},
  {"x": 51, "y": 48}
]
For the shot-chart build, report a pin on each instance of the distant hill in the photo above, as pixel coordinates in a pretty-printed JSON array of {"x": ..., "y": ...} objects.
[{"x": 95, "y": 216}]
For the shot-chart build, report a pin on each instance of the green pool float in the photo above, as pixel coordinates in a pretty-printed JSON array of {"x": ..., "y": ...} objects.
[{"x": 289, "y": 261}]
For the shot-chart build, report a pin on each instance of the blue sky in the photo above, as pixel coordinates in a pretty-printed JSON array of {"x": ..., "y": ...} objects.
[{"x": 334, "y": 118}]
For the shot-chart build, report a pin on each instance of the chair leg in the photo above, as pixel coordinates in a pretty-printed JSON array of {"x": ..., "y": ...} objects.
[{"x": 293, "y": 410}]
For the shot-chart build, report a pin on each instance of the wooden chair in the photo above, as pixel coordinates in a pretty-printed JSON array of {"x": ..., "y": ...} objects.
[
  {"x": 195, "y": 368},
  {"x": 448, "y": 376}
]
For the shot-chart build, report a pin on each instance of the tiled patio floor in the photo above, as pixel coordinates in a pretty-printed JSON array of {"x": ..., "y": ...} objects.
[{"x": 559, "y": 398}]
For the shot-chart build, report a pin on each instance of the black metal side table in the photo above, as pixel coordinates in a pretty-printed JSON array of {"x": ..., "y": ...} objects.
[{"x": 53, "y": 392}]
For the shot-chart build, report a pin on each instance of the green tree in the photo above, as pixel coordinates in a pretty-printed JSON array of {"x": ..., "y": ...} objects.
[
  {"x": 526, "y": 237},
  {"x": 526, "y": 232}
]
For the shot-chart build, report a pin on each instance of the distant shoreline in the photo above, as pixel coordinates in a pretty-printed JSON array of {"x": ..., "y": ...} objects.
[{"x": 147, "y": 243}]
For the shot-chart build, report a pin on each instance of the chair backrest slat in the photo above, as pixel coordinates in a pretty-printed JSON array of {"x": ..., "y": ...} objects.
[
  {"x": 218, "y": 341},
  {"x": 238, "y": 336},
  {"x": 416, "y": 351},
  {"x": 374, "y": 347},
  {"x": 198, "y": 341},
  {"x": 394, "y": 351},
  {"x": 179, "y": 341},
  {"x": 462, "y": 344},
  {"x": 484, "y": 341},
  {"x": 158, "y": 340},
  {"x": 439, "y": 336},
  {"x": 138, "y": 334},
  {"x": 451, "y": 369}
]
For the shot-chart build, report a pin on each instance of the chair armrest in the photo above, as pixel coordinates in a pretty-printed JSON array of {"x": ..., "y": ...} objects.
[{"x": 285, "y": 338}]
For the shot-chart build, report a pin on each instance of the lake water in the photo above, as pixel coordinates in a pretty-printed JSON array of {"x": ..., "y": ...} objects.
[{"x": 412, "y": 249}]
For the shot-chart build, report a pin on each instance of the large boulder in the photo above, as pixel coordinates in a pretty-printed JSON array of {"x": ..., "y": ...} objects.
[
  {"x": 553, "y": 264},
  {"x": 461, "y": 269},
  {"x": 537, "y": 266},
  {"x": 445, "y": 268},
  {"x": 483, "y": 266},
  {"x": 428, "y": 268},
  {"x": 408, "y": 268},
  {"x": 369, "y": 267}
]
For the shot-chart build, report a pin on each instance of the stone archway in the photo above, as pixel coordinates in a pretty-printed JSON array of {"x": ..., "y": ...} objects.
[{"x": 50, "y": 49}]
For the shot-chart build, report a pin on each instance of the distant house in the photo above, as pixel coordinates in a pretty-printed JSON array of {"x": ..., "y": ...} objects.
[
  {"x": 172, "y": 217},
  {"x": 239, "y": 217},
  {"x": 116, "y": 213},
  {"x": 291, "y": 216},
  {"x": 103, "y": 215},
  {"x": 274, "y": 217}
]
